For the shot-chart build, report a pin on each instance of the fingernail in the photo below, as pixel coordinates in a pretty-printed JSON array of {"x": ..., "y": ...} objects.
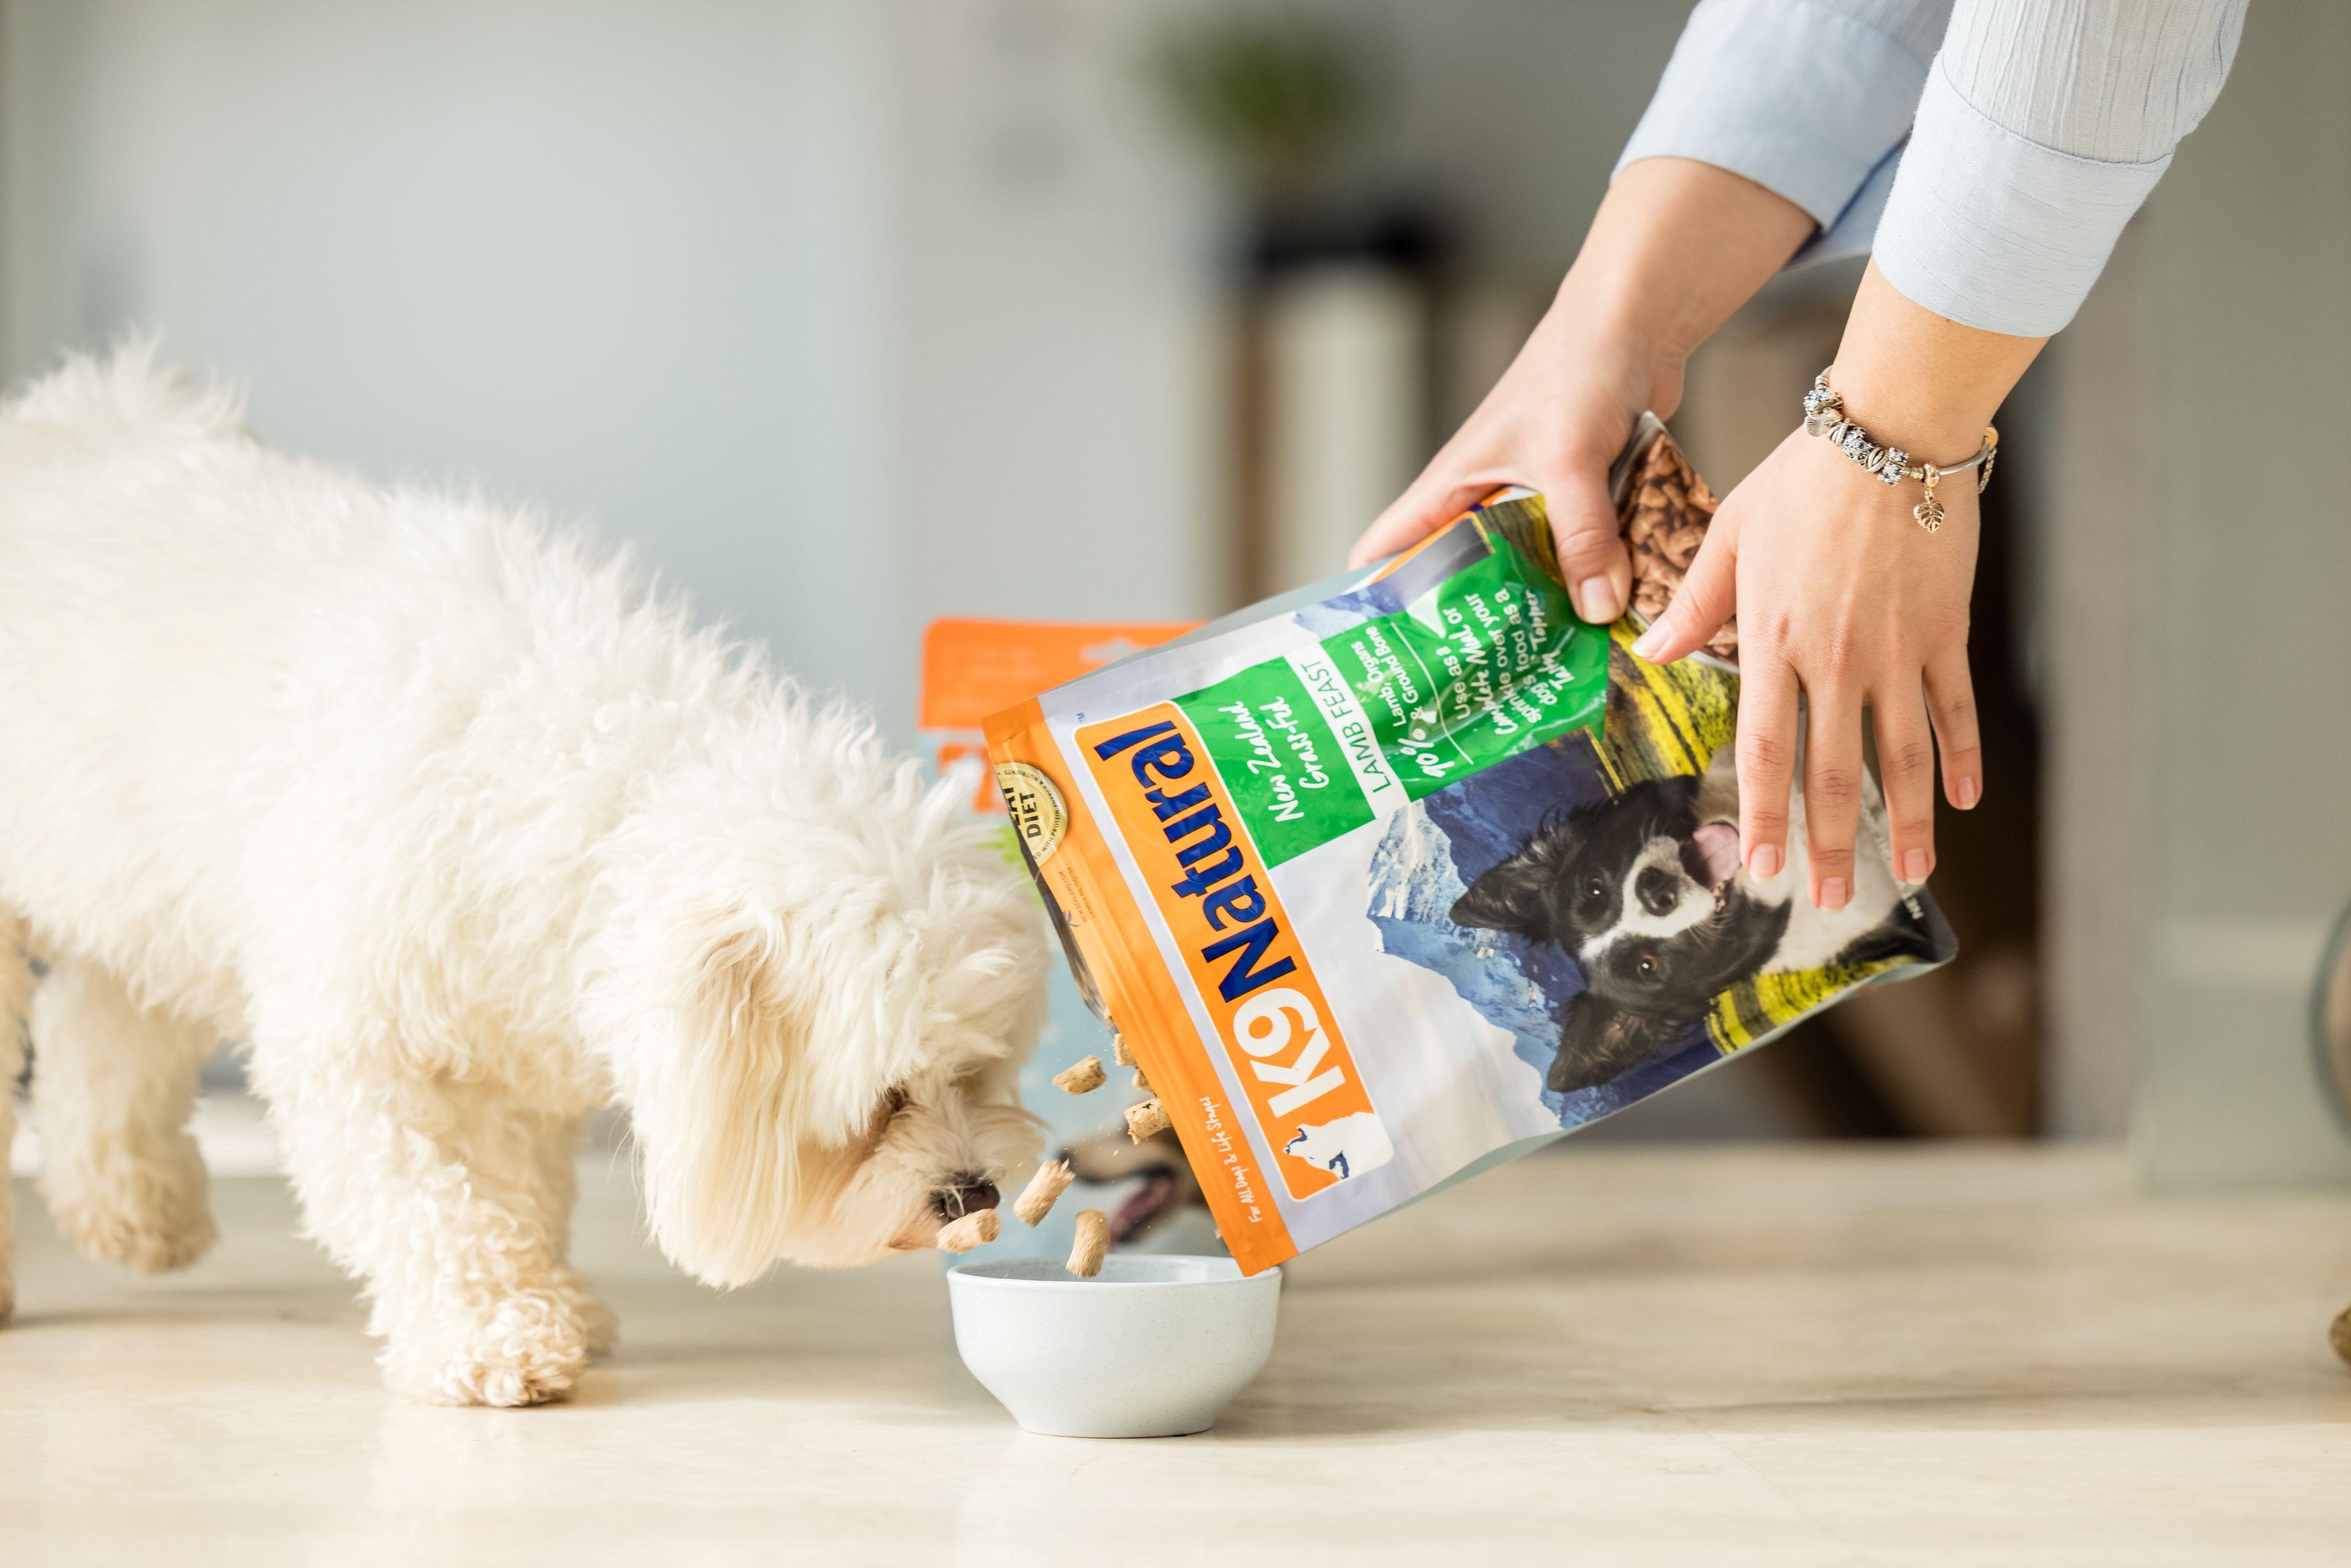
[
  {"x": 1765, "y": 862},
  {"x": 1652, "y": 643},
  {"x": 1969, "y": 792},
  {"x": 1598, "y": 596},
  {"x": 1916, "y": 865},
  {"x": 1833, "y": 893}
]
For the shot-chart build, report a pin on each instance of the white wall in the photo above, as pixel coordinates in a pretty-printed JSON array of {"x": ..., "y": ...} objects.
[
  {"x": 2199, "y": 557},
  {"x": 1058, "y": 342},
  {"x": 2245, "y": 642},
  {"x": 764, "y": 288}
]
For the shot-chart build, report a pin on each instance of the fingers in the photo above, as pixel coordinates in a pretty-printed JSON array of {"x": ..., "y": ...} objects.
[
  {"x": 1951, "y": 701},
  {"x": 1707, "y": 597},
  {"x": 1767, "y": 756},
  {"x": 1906, "y": 766},
  {"x": 1591, "y": 553},
  {"x": 1583, "y": 524},
  {"x": 1831, "y": 791}
]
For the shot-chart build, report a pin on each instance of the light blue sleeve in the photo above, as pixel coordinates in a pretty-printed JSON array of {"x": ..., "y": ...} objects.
[
  {"x": 2044, "y": 125},
  {"x": 1811, "y": 98}
]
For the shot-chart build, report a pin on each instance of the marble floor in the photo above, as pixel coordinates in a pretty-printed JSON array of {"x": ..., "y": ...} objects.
[{"x": 1766, "y": 1355}]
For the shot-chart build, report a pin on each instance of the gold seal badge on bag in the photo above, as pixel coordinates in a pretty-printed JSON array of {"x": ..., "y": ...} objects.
[{"x": 1037, "y": 813}]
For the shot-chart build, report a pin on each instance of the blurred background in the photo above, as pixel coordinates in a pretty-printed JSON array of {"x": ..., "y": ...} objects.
[{"x": 849, "y": 314}]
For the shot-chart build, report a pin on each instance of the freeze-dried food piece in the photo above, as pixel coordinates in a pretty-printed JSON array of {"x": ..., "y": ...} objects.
[
  {"x": 1093, "y": 1240},
  {"x": 963, "y": 1235},
  {"x": 1145, "y": 1119},
  {"x": 1122, "y": 1052},
  {"x": 1080, "y": 1078},
  {"x": 1142, "y": 1083},
  {"x": 1043, "y": 1191}
]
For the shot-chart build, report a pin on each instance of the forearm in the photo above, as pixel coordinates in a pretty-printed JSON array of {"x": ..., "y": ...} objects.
[
  {"x": 1922, "y": 382},
  {"x": 1675, "y": 248},
  {"x": 1811, "y": 98}
]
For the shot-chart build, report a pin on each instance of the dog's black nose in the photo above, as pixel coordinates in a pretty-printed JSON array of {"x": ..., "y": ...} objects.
[{"x": 964, "y": 1193}]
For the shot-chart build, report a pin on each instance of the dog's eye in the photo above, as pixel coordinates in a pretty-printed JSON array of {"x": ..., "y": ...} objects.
[
  {"x": 1647, "y": 965},
  {"x": 1595, "y": 888}
]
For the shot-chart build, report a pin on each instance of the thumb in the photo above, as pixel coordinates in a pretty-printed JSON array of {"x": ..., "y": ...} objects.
[
  {"x": 1591, "y": 554},
  {"x": 1707, "y": 597}
]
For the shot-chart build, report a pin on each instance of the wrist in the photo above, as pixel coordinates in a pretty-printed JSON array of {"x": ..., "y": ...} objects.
[
  {"x": 1917, "y": 381},
  {"x": 1617, "y": 331},
  {"x": 1677, "y": 246},
  {"x": 1898, "y": 407}
]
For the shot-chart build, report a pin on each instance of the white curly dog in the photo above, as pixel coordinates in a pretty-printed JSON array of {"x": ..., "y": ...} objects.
[{"x": 462, "y": 832}]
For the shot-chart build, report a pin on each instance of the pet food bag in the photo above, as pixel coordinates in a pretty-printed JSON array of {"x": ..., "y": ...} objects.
[
  {"x": 1413, "y": 872},
  {"x": 971, "y": 668}
]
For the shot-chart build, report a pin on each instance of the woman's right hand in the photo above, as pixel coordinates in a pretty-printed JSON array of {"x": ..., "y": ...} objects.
[
  {"x": 1675, "y": 248},
  {"x": 1554, "y": 422}
]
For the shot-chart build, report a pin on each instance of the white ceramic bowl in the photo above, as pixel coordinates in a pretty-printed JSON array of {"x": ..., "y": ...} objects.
[{"x": 1151, "y": 1347}]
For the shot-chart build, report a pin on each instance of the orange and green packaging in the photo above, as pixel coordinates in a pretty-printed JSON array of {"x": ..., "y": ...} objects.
[{"x": 1413, "y": 872}]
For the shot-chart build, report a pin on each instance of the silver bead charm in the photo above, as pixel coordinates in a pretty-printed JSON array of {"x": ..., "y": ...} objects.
[{"x": 1824, "y": 416}]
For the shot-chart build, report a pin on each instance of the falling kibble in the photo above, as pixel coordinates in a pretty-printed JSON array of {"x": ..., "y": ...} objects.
[
  {"x": 1093, "y": 1240},
  {"x": 1145, "y": 1119},
  {"x": 1142, "y": 1083},
  {"x": 1083, "y": 1078},
  {"x": 963, "y": 1235},
  {"x": 1119, "y": 1051},
  {"x": 1043, "y": 1191}
]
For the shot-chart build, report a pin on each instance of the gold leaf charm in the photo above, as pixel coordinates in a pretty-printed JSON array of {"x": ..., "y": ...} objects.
[{"x": 1929, "y": 512}]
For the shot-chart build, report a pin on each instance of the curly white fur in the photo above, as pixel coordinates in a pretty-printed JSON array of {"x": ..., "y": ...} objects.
[{"x": 462, "y": 831}]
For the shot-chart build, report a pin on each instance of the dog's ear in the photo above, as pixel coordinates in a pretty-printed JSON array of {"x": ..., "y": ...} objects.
[
  {"x": 1601, "y": 1042},
  {"x": 705, "y": 1060},
  {"x": 1516, "y": 895}
]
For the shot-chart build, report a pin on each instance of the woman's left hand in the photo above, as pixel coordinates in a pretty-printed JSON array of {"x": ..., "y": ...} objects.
[{"x": 1842, "y": 597}]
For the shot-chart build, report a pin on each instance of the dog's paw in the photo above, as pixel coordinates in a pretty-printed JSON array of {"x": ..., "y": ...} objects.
[
  {"x": 2340, "y": 1336},
  {"x": 529, "y": 1350},
  {"x": 154, "y": 1218}
]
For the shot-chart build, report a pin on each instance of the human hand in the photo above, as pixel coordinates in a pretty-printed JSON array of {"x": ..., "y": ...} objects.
[
  {"x": 1554, "y": 422},
  {"x": 1841, "y": 597},
  {"x": 1675, "y": 248}
]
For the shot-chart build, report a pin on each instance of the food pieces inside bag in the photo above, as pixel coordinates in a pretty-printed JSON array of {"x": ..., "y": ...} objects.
[
  {"x": 1043, "y": 1191},
  {"x": 979, "y": 1227},
  {"x": 1664, "y": 519},
  {"x": 1082, "y": 1077},
  {"x": 1093, "y": 1240}
]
